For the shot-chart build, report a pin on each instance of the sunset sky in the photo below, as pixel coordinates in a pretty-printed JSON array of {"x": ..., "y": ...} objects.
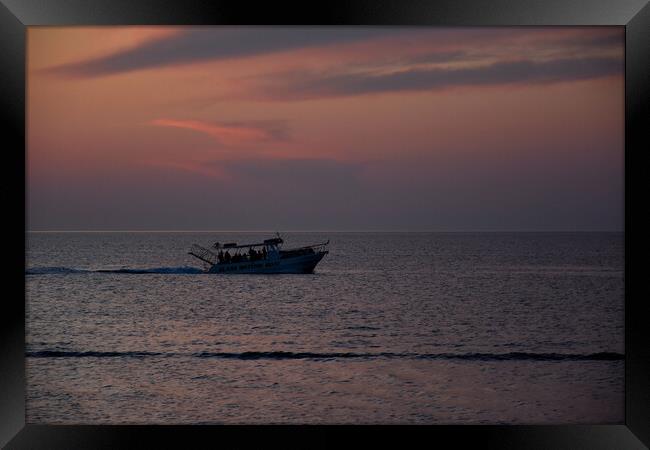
[{"x": 325, "y": 128}]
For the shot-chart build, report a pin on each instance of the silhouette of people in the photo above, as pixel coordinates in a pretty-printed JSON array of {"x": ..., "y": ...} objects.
[
  {"x": 228, "y": 258},
  {"x": 220, "y": 256},
  {"x": 263, "y": 252}
]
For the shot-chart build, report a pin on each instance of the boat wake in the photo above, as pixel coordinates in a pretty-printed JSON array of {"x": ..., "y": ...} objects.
[
  {"x": 161, "y": 270},
  {"x": 154, "y": 270},
  {"x": 53, "y": 271}
]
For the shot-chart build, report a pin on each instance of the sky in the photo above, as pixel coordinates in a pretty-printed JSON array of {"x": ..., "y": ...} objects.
[{"x": 325, "y": 128}]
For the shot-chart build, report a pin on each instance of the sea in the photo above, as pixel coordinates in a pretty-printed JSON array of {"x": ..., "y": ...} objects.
[{"x": 391, "y": 328}]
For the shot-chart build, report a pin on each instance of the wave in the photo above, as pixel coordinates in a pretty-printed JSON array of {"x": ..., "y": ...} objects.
[
  {"x": 160, "y": 270},
  {"x": 154, "y": 270},
  {"x": 92, "y": 354},
  {"x": 279, "y": 355}
]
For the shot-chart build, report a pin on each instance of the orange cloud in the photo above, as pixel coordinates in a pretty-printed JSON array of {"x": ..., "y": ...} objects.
[{"x": 226, "y": 134}]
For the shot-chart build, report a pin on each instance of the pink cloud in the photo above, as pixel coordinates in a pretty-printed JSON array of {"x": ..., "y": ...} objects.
[{"x": 231, "y": 134}]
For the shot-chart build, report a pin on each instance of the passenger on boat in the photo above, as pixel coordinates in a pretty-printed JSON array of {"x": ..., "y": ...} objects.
[
  {"x": 263, "y": 252},
  {"x": 227, "y": 258},
  {"x": 220, "y": 256}
]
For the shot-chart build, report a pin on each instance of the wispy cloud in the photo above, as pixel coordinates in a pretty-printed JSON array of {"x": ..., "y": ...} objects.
[
  {"x": 307, "y": 85},
  {"x": 222, "y": 43},
  {"x": 612, "y": 38},
  {"x": 231, "y": 133}
]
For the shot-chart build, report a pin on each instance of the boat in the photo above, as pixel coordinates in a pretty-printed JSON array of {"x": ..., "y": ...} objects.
[{"x": 267, "y": 256}]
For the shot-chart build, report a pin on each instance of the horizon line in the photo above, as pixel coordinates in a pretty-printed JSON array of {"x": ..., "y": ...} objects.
[{"x": 326, "y": 231}]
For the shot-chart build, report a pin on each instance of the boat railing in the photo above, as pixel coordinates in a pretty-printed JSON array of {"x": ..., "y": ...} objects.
[
  {"x": 203, "y": 254},
  {"x": 211, "y": 258},
  {"x": 316, "y": 247}
]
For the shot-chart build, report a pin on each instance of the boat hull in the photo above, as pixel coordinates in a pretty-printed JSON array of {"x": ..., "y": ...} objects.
[{"x": 295, "y": 264}]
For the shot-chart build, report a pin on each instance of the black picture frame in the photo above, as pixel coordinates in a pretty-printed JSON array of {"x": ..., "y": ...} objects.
[{"x": 17, "y": 15}]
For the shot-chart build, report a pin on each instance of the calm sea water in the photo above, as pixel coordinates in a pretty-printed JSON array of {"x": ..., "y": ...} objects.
[{"x": 392, "y": 328}]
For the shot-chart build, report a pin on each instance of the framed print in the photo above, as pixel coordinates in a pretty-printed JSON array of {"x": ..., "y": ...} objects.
[{"x": 265, "y": 221}]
